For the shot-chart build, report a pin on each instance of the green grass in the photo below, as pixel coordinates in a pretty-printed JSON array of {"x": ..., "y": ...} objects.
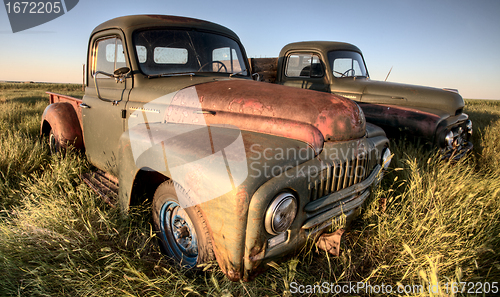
[{"x": 57, "y": 238}]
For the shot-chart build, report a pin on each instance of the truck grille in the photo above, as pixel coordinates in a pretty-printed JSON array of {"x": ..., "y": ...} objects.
[{"x": 339, "y": 175}]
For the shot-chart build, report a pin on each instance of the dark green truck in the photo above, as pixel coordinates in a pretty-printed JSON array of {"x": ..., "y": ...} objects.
[
  {"x": 339, "y": 68},
  {"x": 237, "y": 170}
]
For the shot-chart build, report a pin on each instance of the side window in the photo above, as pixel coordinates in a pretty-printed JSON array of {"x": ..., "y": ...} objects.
[
  {"x": 303, "y": 65},
  {"x": 120, "y": 55},
  {"x": 108, "y": 56}
]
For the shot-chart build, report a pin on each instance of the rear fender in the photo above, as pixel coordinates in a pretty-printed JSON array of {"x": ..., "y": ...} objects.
[{"x": 62, "y": 119}]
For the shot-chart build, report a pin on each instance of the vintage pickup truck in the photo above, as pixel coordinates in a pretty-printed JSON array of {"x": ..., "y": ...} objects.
[
  {"x": 239, "y": 171},
  {"x": 339, "y": 68}
]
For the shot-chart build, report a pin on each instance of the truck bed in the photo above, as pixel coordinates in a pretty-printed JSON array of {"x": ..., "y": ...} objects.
[
  {"x": 75, "y": 102},
  {"x": 266, "y": 67}
]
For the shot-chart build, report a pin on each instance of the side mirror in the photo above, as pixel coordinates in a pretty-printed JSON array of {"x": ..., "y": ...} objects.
[
  {"x": 121, "y": 71},
  {"x": 119, "y": 74}
]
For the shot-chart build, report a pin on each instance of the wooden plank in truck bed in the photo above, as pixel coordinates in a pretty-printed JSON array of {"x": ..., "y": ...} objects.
[{"x": 265, "y": 67}]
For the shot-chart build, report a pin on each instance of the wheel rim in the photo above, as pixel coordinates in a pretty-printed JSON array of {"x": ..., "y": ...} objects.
[
  {"x": 52, "y": 143},
  {"x": 178, "y": 233}
]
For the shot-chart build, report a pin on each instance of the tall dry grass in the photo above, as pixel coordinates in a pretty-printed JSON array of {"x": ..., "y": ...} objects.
[{"x": 57, "y": 238}]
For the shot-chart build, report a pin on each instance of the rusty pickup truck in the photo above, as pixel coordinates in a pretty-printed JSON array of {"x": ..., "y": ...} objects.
[
  {"x": 435, "y": 115},
  {"x": 236, "y": 170}
]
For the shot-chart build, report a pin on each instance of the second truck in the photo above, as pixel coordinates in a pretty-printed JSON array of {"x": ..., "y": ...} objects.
[{"x": 339, "y": 68}]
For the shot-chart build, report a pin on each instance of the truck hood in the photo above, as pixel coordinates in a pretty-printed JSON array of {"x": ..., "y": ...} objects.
[
  {"x": 382, "y": 92},
  {"x": 312, "y": 117}
]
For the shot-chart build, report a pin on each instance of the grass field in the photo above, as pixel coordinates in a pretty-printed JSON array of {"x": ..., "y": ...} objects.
[{"x": 441, "y": 223}]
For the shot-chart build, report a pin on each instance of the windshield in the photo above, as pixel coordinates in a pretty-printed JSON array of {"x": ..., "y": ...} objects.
[
  {"x": 164, "y": 52},
  {"x": 347, "y": 64}
]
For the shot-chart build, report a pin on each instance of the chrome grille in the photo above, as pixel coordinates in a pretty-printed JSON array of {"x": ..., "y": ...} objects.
[{"x": 339, "y": 175}]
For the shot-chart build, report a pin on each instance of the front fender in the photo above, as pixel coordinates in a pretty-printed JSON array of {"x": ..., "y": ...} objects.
[
  {"x": 61, "y": 117},
  {"x": 412, "y": 120}
]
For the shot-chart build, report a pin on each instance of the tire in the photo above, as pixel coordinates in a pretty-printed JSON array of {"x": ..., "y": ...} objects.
[
  {"x": 183, "y": 233},
  {"x": 54, "y": 144}
]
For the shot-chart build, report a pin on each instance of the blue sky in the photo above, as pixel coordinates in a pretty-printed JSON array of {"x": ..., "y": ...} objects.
[{"x": 440, "y": 43}]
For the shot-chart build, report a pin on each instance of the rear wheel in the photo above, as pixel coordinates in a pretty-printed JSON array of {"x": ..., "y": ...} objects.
[
  {"x": 54, "y": 144},
  {"x": 182, "y": 232}
]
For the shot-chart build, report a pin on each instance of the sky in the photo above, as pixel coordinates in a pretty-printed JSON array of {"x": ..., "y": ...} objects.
[{"x": 437, "y": 43}]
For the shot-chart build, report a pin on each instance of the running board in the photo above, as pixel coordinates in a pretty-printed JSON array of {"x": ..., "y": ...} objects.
[{"x": 104, "y": 184}]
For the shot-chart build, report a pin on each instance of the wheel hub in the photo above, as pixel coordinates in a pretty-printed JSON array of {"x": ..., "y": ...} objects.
[{"x": 179, "y": 232}]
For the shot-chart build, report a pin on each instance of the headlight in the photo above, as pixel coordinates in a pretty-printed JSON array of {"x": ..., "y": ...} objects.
[
  {"x": 281, "y": 213},
  {"x": 468, "y": 124},
  {"x": 386, "y": 158},
  {"x": 448, "y": 139}
]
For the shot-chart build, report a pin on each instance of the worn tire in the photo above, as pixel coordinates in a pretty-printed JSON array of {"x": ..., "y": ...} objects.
[
  {"x": 54, "y": 144},
  {"x": 183, "y": 233}
]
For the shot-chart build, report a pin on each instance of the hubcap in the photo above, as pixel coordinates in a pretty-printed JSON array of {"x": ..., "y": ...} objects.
[{"x": 178, "y": 233}]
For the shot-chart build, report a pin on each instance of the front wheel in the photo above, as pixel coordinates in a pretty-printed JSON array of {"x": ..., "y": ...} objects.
[{"x": 183, "y": 233}]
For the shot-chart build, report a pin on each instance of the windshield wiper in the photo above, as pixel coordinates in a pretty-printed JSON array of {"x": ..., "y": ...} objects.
[{"x": 171, "y": 74}]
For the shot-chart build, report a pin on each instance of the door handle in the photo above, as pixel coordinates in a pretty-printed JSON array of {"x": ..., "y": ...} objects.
[{"x": 83, "y": 105}]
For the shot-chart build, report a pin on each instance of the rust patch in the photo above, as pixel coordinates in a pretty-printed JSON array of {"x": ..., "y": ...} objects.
[
  {"x": 233, "y": 275},
  {"x": 382, "y": 204},
  {"x": 330, "y": 242},
  {"x": 242, "y": 202},
  {"x": 241, "y": 105},
  {"x": 256, "y": 254}
]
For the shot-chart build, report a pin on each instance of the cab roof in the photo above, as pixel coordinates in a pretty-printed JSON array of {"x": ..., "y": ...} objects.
[
  {"x": 133, "y": 22},
  {"x": 320, "y": 46}
]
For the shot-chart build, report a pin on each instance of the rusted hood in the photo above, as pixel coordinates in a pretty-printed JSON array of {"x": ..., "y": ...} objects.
[{"x": 312, "y": 117}]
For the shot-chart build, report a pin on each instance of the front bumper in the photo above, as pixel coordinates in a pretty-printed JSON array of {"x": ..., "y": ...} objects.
[
  {"x": 457, "y": 153},
  {"x": 456, "y": 140},
  {"x": 338, "y": 208}
]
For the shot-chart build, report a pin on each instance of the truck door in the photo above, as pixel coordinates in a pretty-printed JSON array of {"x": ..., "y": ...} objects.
[
  {"x": 104, "y": 100},
  {"x": 304, "y": 70}
]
